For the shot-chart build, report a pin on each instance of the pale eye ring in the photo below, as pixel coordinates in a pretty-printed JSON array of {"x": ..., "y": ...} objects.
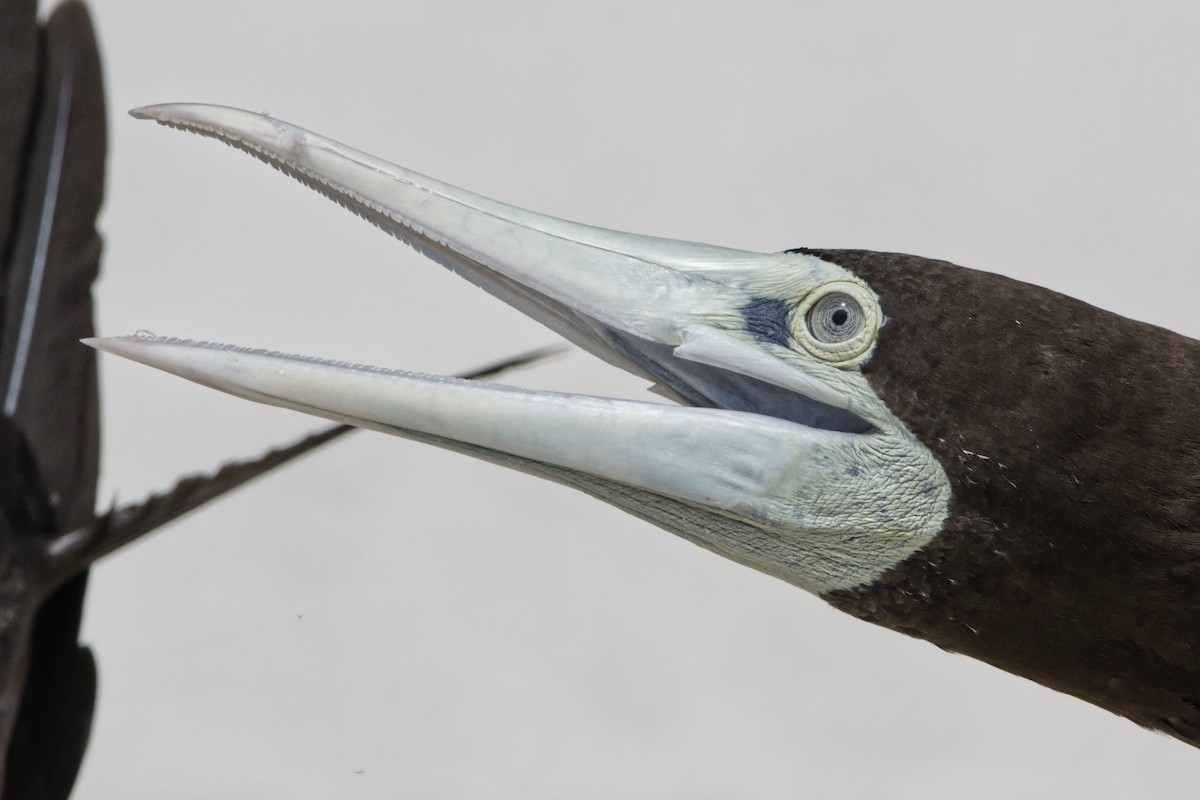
[
  {"x": 835, "y": 318},
  {"x": 838, "y": 322}
]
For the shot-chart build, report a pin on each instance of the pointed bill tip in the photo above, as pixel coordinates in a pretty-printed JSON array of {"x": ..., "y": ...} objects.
[
  {"x": 168, "y": 112},
  {"x": 260, "y": 135},
  {"x": 117, "y": 345},
  {"x": 199, "y": 115},
  {"x": 124, "y": 346},
  {"x": 146, "y": 348},
  {"x": 161, "y": 112}
]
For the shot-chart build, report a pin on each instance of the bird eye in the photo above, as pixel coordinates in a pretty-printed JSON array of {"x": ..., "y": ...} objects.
[
  {"x": 836, "y": 318},
  {"x": 837, "y": 322}
]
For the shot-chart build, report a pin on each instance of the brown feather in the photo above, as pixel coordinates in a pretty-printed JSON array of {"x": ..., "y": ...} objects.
[{"x": 1071, "y": 554}]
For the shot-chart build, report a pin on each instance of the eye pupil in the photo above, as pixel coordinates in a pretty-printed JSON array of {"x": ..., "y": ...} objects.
[
  {"x": 837, "y": 322},
  {"x": 836, "y": 318}
]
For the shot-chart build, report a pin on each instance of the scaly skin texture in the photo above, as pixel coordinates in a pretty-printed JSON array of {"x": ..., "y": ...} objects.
[{"x": 1071, "y": 553}]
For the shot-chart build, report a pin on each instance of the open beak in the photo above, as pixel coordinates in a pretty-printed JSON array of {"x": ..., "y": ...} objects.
[
  {"x": 761, "y": 438},
  {"x": 638, "y": 302}
]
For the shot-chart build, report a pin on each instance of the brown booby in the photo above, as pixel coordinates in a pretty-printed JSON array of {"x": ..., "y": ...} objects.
[{"x": 953, "y": 454}]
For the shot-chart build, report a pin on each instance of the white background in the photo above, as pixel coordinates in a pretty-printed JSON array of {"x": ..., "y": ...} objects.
[{"x": 388, "y": 620}]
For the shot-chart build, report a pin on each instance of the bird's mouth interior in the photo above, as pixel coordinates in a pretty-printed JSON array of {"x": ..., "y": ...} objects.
[{"x": 707, "y": 386}]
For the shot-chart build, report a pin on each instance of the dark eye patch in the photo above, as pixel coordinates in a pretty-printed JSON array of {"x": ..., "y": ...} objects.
[{"x": 766, "y": 319}]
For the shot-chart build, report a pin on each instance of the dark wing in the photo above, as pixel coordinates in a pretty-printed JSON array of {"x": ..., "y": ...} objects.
[{"x": 52, "y": 145}]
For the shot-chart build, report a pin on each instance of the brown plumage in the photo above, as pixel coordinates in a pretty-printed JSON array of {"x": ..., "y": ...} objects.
[{"x": 1071, "y": 555}]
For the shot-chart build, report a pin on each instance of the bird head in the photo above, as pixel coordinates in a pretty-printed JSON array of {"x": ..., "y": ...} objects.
[
  {"x": 932, "y": 448},
  {"x": 778, "y": 453}
]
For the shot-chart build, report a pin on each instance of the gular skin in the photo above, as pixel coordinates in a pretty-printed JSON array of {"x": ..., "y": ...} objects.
[{"x": 1071, "y": 551}]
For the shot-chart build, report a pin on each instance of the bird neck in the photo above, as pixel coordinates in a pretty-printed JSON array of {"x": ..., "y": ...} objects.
[{"x": 1112, "y": 617}]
